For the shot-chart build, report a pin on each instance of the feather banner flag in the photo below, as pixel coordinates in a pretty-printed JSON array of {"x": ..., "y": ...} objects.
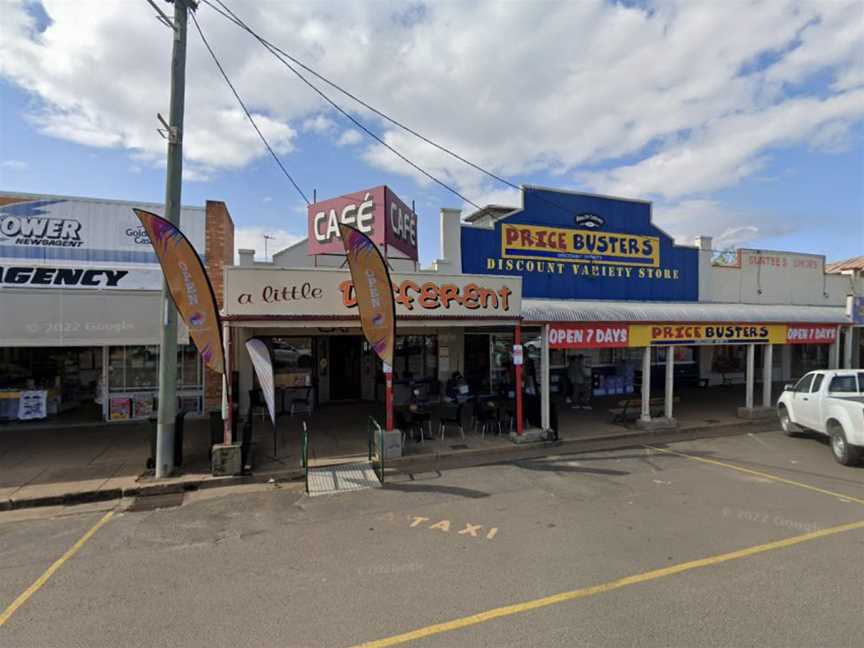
[
  {"x": 262, "y": 361},
  {"x": 374, "y": 291},
  {"x": 189, "y": 286}
]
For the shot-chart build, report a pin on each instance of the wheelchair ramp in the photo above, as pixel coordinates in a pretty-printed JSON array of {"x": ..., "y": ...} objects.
[{"x": 342, "y": 478}]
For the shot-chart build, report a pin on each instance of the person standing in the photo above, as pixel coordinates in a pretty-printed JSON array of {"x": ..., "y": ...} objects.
[{"x": 579, "y": 377}]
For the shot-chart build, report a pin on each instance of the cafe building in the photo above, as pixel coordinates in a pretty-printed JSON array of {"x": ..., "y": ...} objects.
[
  {"x": 80, "y": 309},
  {"x": 583, "y": 288}
]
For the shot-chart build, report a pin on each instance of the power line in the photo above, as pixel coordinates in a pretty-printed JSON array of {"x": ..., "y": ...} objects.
[
  {"x": 245, "y": 109},
  {"x": 230, "y": 16},
  {"x": 239, "y": 22},
  {"x": 277, "y": 52}
]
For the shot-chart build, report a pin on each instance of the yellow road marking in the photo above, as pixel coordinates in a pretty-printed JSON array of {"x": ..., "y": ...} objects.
[
  {"x": 30, "y": 591},
  {"x": 518, "y": 608},
  {"x": 758, "y": 473}
]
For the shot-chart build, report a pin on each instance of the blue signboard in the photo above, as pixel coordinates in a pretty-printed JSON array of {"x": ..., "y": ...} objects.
[{"x": 576, "y": 246}]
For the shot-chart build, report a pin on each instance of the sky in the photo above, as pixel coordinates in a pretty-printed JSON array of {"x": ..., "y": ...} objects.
[{"x": 738, "y": 120}]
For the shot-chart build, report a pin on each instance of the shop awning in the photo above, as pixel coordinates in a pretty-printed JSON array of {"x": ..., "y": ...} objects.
[{"x": 552, "y": 310}]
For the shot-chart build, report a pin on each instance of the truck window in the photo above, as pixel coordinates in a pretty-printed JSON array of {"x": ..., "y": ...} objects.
[
  {"x": 817, "y": 383},
  {"x": 804, "y": 384},
  {"x": 843, "y": 384},
  {"x": 861, "y": 383}
]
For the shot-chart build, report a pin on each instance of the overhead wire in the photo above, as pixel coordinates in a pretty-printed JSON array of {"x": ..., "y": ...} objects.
[
  {"x": 240, "y": 23},
  {"x": 279, "y": 53},
  {"x": 230, "y": 16},
  {"x": 245, "y": 109}
]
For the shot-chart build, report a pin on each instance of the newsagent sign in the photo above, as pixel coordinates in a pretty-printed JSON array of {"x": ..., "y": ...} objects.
[
  {"x": 49, "y": 242},
  {"x": 270, "y": 292},
  {"x": 600, "y": 336},
  {"x": 377, "y": 212}
]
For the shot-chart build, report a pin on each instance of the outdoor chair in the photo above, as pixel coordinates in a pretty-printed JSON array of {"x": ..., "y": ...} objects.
[
  {"x": 451, "y": 414},
  {"x": 257, "y": 405},
  {"x": 301, "y": 404},
  {"x": 485, "y": 417}
]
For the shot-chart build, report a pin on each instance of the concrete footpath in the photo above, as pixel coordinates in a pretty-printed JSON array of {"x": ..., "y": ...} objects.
[{"x": 56, "y": 466}]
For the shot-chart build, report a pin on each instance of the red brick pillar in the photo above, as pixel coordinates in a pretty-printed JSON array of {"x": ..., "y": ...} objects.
[{"x": 219, "y": 252}]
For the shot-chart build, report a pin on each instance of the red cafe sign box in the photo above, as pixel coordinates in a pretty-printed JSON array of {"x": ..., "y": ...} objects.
[{"x": 377, "y": 212}]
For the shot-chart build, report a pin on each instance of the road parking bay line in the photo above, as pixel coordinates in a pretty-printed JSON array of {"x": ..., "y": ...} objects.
[
  {"x": 39, "y": 582},
  {"x": 563, "y": 597},
  {"x": 758, "y": 473}
]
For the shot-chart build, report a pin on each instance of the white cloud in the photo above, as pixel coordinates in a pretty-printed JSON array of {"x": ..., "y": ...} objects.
[
  {"x": 688, "y": 94},
  {"x": 15, "y": 165},
  {"x": 319, "y": 124},
  {"x": 349, "y": 137},
  {"x": 686, "y": 219},
  {"x": 252, "y": 238}
]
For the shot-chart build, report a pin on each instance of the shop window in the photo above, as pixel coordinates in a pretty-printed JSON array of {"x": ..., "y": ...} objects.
[
  {"x": 416, "y": 358},
  {"x": 729, "y": 359},
  {"x": 501, "y": 363},
  {"x": 133, "y": 381},
  {"x": 293, "y": 361}
]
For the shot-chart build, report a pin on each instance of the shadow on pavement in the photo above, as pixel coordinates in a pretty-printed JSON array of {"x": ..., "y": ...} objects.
[
  {"x": 444, "y": 490},
  {"x": 547, "y": 465}
]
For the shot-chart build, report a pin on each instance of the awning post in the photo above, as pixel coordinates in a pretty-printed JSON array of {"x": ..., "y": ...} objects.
[
  {"x": 646, "y": 384},
  {"x": 751, "y": 368},
  {"x": 847, "y": 347},
  {"x": 517, "y": 370},
  {"x": 545, "y": 385},
  {"x": 834, "y": 353},
  {"x": 670, "y": 382},
  {"x": 227, "y": 395},
  {"x": 767, "y": 374}
]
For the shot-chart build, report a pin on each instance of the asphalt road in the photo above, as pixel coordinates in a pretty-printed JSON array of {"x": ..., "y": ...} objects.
[{"x": 266, "y": 566}]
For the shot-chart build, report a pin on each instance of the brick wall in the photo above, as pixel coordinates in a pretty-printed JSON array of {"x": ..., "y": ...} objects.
[{"x": 219, "y": 252}]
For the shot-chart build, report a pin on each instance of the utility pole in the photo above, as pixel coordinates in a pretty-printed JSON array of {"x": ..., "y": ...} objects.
[{"x": 173, "y": 182}]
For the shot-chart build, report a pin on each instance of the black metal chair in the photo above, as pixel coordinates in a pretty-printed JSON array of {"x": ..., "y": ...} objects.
[
  {"x": 301, "y": 404},
  {"x": 451, "y": 414},
  {"x": 485, "y": 416}
]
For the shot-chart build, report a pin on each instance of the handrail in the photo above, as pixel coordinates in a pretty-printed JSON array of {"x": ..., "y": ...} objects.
[
  {"x": 374, "y": 427},
  {"x": 304, "y": 454}
]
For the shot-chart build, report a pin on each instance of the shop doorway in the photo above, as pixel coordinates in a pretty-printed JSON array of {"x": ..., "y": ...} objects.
[{"x": 345, "y": 359}]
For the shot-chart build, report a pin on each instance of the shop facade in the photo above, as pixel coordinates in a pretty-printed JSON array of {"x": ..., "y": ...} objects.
[
  {"x": 80, "y": 309},
  {"x": 613, "y": 290},
  {"x": 309, "y": 319},
  {"x": 600, "y": 285}
]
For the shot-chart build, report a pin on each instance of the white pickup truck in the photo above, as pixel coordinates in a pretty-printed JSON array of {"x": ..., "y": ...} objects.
[{"x": 829, "y": 402}]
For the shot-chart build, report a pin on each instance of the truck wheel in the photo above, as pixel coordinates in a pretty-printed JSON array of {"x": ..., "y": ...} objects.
[
  {"x": 843, "y": 453},
  {"x": 789, "y": 428}
]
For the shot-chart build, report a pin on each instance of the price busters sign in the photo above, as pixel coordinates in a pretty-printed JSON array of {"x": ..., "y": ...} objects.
[
  {"x": 579, "y": 246},
  {"x": 600, "y": 336}
]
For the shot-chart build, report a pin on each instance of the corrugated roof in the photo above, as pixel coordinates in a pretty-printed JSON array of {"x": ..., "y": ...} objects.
[
  {"x": 855, "y": 263},
  {"x": 552, "y": 310}
]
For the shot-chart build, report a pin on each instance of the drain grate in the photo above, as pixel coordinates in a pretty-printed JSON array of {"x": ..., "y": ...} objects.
[
  {"x": 154, "y": 502},
  {"x": 713, "y": 421},
  {"x": 342, "y": 478}
]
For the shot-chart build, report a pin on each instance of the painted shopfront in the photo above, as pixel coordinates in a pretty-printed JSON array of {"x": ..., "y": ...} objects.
[{"x": 576, "y": 246}]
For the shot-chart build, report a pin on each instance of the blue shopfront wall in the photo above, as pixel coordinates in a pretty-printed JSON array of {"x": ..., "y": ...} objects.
[{"x": 577, "y": 246}]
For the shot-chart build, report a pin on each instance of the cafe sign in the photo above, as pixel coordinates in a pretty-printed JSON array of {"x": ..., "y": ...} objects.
[
  {"x": 268, "y": 292},
  {"x": 378, "y": 213}
]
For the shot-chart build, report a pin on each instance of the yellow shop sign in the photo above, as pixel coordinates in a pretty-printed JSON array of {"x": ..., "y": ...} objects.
[
  {"x": 578, "y": 246},
  {"x": 719, "y": 333}
]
